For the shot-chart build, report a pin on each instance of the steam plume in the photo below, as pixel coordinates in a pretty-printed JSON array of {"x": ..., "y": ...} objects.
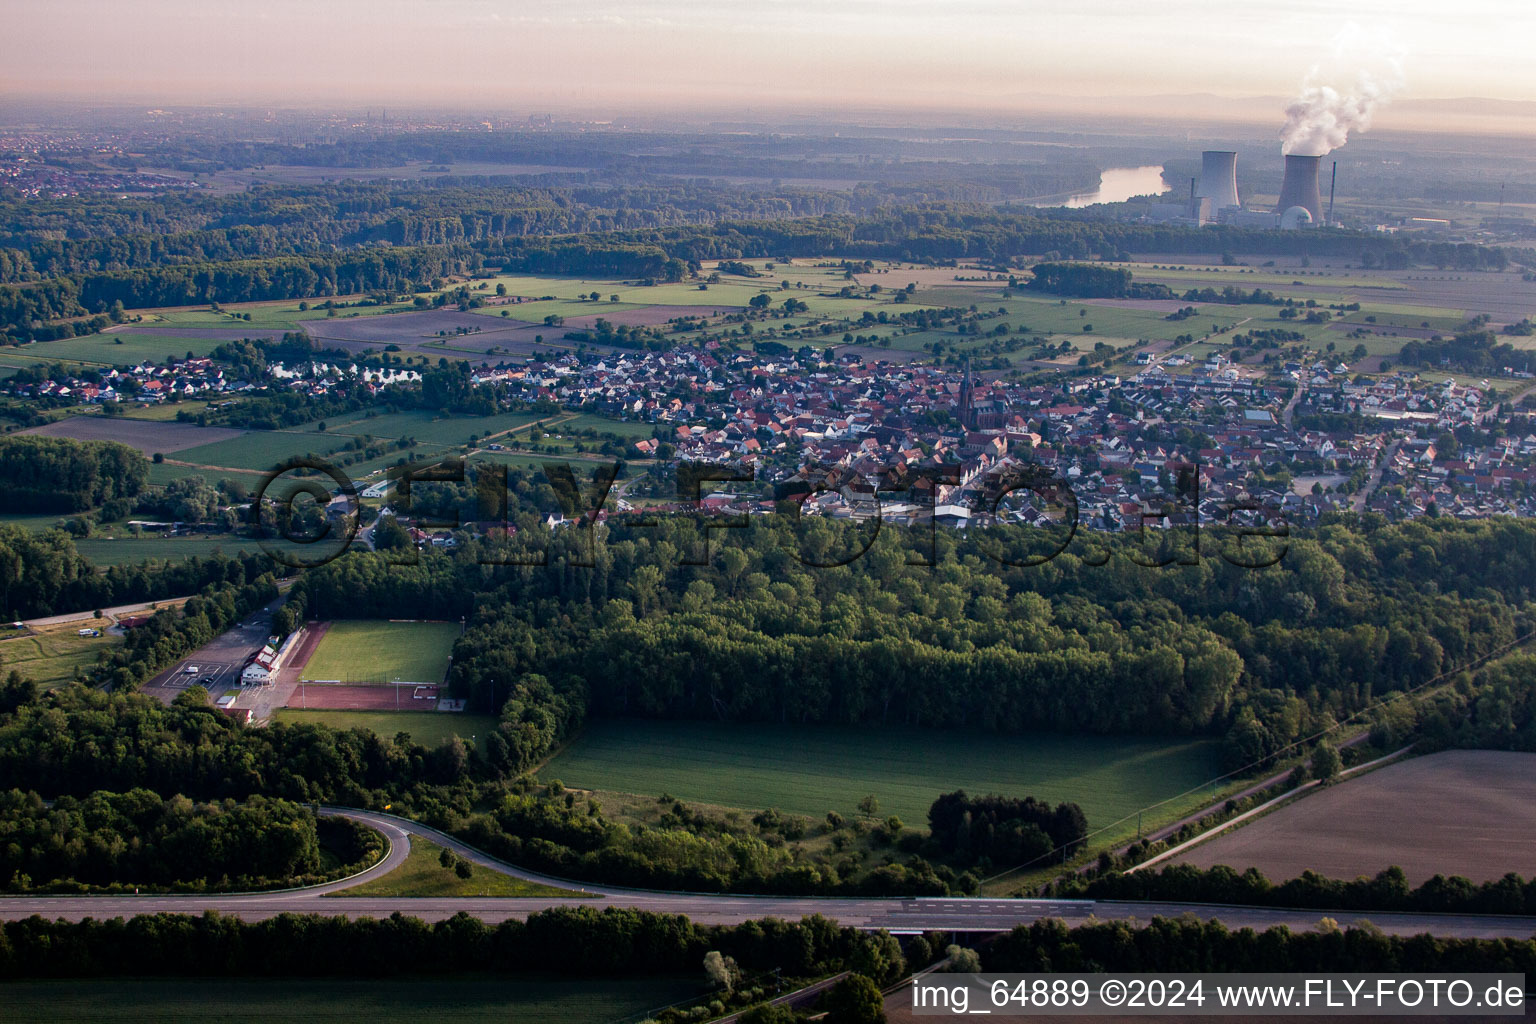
[{"x": 1365, "y": 72}]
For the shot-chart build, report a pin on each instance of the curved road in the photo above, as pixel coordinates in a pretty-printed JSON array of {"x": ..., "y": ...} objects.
[{"x": 897, "y": 914}]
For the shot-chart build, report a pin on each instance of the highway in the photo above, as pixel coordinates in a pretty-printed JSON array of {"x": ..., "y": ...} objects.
[{"x": 896, "y": 914}]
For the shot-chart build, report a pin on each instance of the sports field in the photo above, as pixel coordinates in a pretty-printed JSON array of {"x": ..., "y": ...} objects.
[
  {"x": 429, "y": 728},
  {"x": 306, "y": 1000},
  {"x": 812, "y": 770},
  {"x": 372, "y": 651}
]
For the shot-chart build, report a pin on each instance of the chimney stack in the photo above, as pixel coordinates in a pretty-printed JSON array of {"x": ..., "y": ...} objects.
[
  {"x": 1218, "y": 179},
  {"x": 1300, "y": 186}
]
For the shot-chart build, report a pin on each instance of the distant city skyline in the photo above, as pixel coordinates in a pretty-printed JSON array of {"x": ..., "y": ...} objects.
[{"x": 992, "y": 55}]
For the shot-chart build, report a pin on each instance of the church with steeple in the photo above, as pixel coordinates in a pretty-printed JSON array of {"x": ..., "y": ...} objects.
[
  {"x": 965, "y": 411},
  {"x": 978, "y": 413}
]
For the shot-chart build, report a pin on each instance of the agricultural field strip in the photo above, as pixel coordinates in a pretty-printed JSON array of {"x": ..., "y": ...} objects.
[{"x": 1484, "y": 815}]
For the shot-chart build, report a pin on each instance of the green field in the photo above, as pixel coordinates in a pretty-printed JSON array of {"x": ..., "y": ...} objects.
[
  {"x": 604, "y": 425},
  {"x": 132, "y": 550},
  {"x": 426, "y": 427},
  {"x": 124, "y": 349},
  {"x": 304, "y": 1000},
  {"x": 164, "y": 472},
  {"x": 357, "y": 651},
  {"x": 36, "y": 522},
  {"x": 261, "y": 450},
  {"x": 429, "y": 728},
  {"x": 52, "y": 654},
  {"x": 812, "y": 770},
  {"x": 1199, "y": 276},
  {"x": 423, "y": 874}
]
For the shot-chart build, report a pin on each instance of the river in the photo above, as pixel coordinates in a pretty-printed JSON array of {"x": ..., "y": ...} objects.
[{"x": 1116, "y": 185}]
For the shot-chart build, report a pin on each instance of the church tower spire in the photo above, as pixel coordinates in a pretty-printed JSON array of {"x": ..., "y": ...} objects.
[{"x": 966, "y": 411}]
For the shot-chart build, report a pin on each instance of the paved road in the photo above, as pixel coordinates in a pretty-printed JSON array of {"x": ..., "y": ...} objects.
[
  {"x": 124, "y": 609},
  {"x": 946, "y": 914},
  {"x": 1288, "y": 415},
  {"x": 111, "y": 613},
  {"x": 1374, "y": 480}
]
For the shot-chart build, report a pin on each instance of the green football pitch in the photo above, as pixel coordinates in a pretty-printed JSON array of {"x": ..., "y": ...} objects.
[{"x": 357, "y": 651}]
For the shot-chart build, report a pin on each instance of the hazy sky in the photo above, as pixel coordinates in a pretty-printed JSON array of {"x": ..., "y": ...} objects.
[{"x": 818, "y": 53}]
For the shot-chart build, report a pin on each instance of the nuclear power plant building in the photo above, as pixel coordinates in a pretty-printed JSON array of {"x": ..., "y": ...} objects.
[
  {"x": 1300, "y": 188},
  {"x": 1218, "y": 179}
]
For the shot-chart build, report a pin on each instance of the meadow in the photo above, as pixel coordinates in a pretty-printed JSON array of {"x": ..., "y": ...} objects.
[
  {"x": 429, "y": 728},
  {"x": 118, "y": 548},
  {"x": 370, "y": 651},
  {"x": 813, "y": 770},
  {"x": 51, "y": 654},
  {"x": 261, "y": 450},
  {"x": 525, "y": 1000},
  {"x": 430, "y": 428},
  {"x": 423, "y": 875},
  {"x": 604, "y": 425},
  {"x": 123, "y": 348},
  {"x": 36, "y": 522}
]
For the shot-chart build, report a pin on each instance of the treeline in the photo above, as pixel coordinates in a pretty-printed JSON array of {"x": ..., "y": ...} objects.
[
  {"x": 284, "y": 277},
  {"x": 585, "y": 942},
  {"x": 75, "y": 740},
  {"x": 86, "y": 234},
  {"x": 57, "y": 474},
  {"x": 1089, "y": 281},
  {"x": 107, "y": 841},
  {"x": 42, "y": 573},
  {"x": 1209, "y": 946},
  {"x": 562, "y": 942},
  {"x": 1469, "y": 352},
  {"x": 1387, "y": 891},
  {"x": 1080, "y": 279}
]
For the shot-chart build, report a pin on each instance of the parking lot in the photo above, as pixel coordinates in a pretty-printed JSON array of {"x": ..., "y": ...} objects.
[{"x": 218, "y": 662}]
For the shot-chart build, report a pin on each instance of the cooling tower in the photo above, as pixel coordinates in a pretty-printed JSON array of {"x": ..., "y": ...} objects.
[
  {"x": 1218, "y": 179},
  {"x": 1300, "y": 187}
]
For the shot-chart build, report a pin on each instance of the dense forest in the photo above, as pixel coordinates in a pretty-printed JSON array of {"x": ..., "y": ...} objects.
[
  {"x": 616, "y": 943},
  {"x": 120, "y": 841},
  {"x": 55, "y": 474},
  {"x": 1003, "y": 830},
  {"x": 88, "y": 234},
  {"x": 566, "y": 941},
  {"x": 1263, "y": 657}
]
